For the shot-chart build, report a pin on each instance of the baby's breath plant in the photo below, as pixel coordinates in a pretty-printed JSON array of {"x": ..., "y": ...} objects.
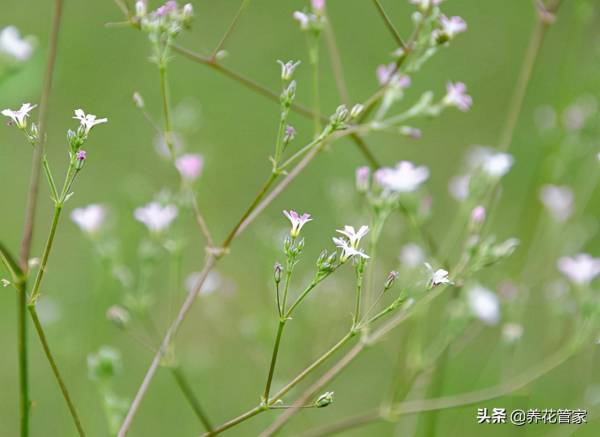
[{"x": 457, "y": 269}]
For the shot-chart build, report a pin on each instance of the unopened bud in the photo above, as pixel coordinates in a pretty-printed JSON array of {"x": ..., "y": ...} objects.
[
  {"x": 324, "y": 400},
  {"x": 339, "y": 117},
  {"x": 362, "y": 179},
  {"x": 391, "y": 278},
  {"x": 188, "y": 11},
  {"x": 278, "y": 269},
  {"x": 289, "y": 94},
  {"x": 138, "y": 100},
  {"x": 356, "y": 110},
  {"x": 290, "y": 133},
  {"x": 478, "y": 215},
  {"x": 118, "y": 315},
  {"x": 287, "y": 69},
  {"x": 140, "y": 8},
  {"x": 80, "y": 157}
]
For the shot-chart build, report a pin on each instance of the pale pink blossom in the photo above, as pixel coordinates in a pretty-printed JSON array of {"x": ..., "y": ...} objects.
[
  {"x": 317, "y": 5},
  {"x": 459, "y": 187},
  {"x": 456, "y": 95},
  {"x": 354, "y": 236},
  {"x": 89, "y": 218},
  {"x": 581, "y": 269},
  {"x": 302, "y": 18},
  {"x": 13, "y": 45},
  {"x": 297, "y": 221},
  {"x": 452, "y": 26},
  {"x": 404, "y": 178},
  {"x": 512, "y": 332},
  {"x": 412, "y": 255},
  {"x": 155, "y": 216},
  {"x": 362, "y": 178},
  {"x": 189, "y": 166},
  {"x": 478, "y": 214}
]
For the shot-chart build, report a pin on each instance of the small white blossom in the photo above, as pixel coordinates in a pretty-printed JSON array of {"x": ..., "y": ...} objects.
[
  {"x": 212, "y": 282},
  {"x": 354, "y": 236},
  {"x": 512, "y": 332},
  {"x": 404, "y": 178},
  {"x": 492, "y": 163},
  {"x": 297, "y": 221},
  {"x": 89, "y": 218},
  {"x": 19, "y": 117},
  {"x": 155, "y": 216},
  {"x": 4, "y": 282},
  {"x": 456, "y": 95},
  {"x": 459, "y": 187},
  {"x": 452, "y": 26},
  {"x": 484, "y": 304},
  {"x": 437, "y": 277},
  {"x": 558, "y": 201},
  {"x": 412, "y": 255},
  {"x": 580, "y": 269},
  {"x": 88, "y": 121},
  {"x": 347, "y": 250},
  {"x": 11, "y": 44}
]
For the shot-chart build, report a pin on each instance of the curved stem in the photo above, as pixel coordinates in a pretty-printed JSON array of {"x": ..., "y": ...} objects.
[{"x": 191, "y": 397}]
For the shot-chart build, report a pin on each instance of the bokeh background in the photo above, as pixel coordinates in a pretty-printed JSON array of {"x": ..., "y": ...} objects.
[{"x": 225, "y": 344}]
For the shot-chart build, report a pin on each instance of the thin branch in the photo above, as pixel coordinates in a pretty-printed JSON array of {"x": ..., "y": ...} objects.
[
  {"x": 388, "y": 23},
  {"x": 336, "y": 63},
  {"x": 57, "y": 375},
  {"x": 187, "y": 391},
  {"x": 200, "y": 220},
  {"x": 230, "y": 29}
]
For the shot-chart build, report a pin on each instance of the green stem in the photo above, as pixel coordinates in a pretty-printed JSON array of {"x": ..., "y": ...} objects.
[
  {"x": 24, "y": 402},
  {"x": 50, "y": 178},
  {"x": 359, "y": 280},
  {"x": 271, "y": 179},
  {"x": 164, "y": 91},
  {"x": 191, "y": 398},
  {"x": 314, "y": 60},
  {"x": 300, "y": 298},
  {"x": 57, "y": 375},
  {"x": 280, "y": 327}
]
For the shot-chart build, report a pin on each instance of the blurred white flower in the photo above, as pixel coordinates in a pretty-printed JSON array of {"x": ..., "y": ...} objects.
[
  {"x": 347, "y": 250},
  {"x": 494, "y": 164},
  {"x": 545, "y": 117},
  {"x": 89, "y": 218},
  {"x": 212, "y": 282},
  {"x": 11, "y": 44},
  {"x": 581, "y": 269},
  {"x": 452, "y": 26},
  {"x": 456, "y": 95},
  {"x": 189, "y": 166},
  {"x": 512, "y": 332},
  {"x": 558, "y": 200},
  {"x": 459, "y": 187},
  {"x": 438, "y": 277},
  {"x": 412, "y": 255},
  {"x": 425, "y": 4},
  {"x": 19, "y": 117},
  {"x": 484, "y": 304},
  {"x": 404, "y": 178},
  {"x": 155, "y": 216},
  {"x": 88, "y": 121}
]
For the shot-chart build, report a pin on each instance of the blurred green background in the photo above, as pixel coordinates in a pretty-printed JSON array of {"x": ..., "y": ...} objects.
[{"x": 225, "y": 344}]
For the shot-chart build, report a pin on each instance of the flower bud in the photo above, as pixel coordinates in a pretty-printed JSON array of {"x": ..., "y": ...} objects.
[
  {"x": 290, "y": 133},
  {"x": 278, "y": 269},
  {"x": 356, "y": 110},
  {"x": 287, "y": 69},
  {"x": 140, "y": 8},
  {"x": 104, "y": 365},
  {"x": 188, "y": 11},
  {"x": 289, "y": 94},
  {"x": 138, "y": 100},
  {"x": 80, "y": 157},
  {"x": 391, "y": 278},
  {"x": 324, "y": 400},
  {"x": 339, "y": 117},
  {"x": 118, "y": 315},
  {"x": 478, "y": 216}
]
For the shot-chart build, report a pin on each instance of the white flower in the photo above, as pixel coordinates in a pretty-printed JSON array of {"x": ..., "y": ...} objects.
[
  {"x": 354, "y": 237},
  {"x": 425, "y": 4},
  {"x": 484, "y": 304},
  {"x": 456, "y": 95},
  {"x": 19, "y": 117},
  {"x": 438, "y": 277},
  {"x": 297, "y": 221},
  {"x": 580, "y": 269},
  {"x": 13, "y": 45},
  {"x": 558, "y": 201},
  {"x": 88, "y": 121},
  {"x": 347, "y": 250},
  {"x": 459, "y": 187},
  {"x": 155, "y": 216},
  {"x": 89, "y": 218},
  {"x": 412, "y": 255},
  {"x": 212, "y": 282},
  {"x": 494, "y": 164},
  {"x": 4, "y": 282},
  {"x": 404, "y": 178},
  {"x": 302, "y": 18},
  {"x": 189, "y": 166},
  {"x": 452, "y": 26},
  {"x": 512, "y": 332}
]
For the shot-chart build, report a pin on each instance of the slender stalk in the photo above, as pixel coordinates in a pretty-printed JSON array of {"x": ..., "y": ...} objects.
[
  {"x": 237, "y": 420},
  {"x": 389, "y": 25},
  {"x": 261, "y": 194},
  {"x": 201, "y": 221},
  {"x": 336, "y": 63},
  {"x": 280, "y": 328},
  {"x": 55, "y": 371},
  {"x": 314, "y": 62},
  {"x": 230, "y": 29},
  {"x": 24, "y": 402},
  {"x": 187, "y": 391},
  {"x": 164, "y": 92}
]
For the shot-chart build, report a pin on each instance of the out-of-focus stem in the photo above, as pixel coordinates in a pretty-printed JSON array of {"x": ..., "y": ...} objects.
[{"x": 187, "y": 391}]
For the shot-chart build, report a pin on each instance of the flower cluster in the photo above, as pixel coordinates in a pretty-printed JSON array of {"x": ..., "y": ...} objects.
[{"x": 13, "y": 48}]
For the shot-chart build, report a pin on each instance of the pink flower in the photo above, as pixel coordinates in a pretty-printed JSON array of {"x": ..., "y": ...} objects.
[
  {"x": 189, "y": 166},
  {"x": 478, "y": 215},
  {"x": 317, "y": 5},
  {"x": 362, "y": 178},
  {"x": 298, "y": 221},
  {"x": 167, "y": 8},
  {"x": 456, "y": 95},
  {"x": 81, "y": 155},
  {"x": 452, "y": 26}
]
